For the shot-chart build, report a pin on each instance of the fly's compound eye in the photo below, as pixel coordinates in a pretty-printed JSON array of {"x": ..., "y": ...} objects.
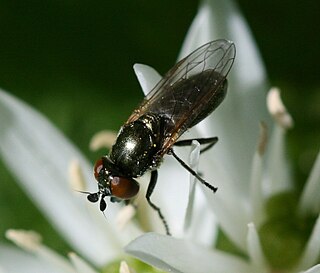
[
  {"x": 124, "y": 188},
  {"x": 97, "y": 168}
]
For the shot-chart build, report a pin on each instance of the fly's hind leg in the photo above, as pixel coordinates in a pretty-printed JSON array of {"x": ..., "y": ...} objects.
[
  {"x": 210, "y": 141},
  {"x": 190, "y": 170},
  {"x": 152, "y": 184},
  {"x": 187, "y": 142}
]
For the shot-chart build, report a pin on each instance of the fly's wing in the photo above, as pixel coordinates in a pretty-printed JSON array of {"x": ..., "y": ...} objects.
[{"x": 188, "y": 90}]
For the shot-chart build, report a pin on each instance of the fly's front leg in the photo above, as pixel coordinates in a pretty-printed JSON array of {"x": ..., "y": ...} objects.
[
  {"x": 152, "y": 184},
  {"x": 210, "y": 141}
]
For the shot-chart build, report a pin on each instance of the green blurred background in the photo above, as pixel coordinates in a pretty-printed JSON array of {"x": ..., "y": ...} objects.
[{"x": 72, "y": 60}]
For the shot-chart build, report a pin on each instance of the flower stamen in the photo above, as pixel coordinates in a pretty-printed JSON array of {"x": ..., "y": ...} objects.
[
  {"x": 124, "y": 268},
  {"x": 102, "y": 139},
  {"x": 76, "y": 176},
  {"x": 25, "y": 239},
  {"x": 278, "y": 110}
]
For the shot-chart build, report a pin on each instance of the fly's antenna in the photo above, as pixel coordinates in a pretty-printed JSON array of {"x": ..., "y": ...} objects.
[{"x": 94, "y": 197}]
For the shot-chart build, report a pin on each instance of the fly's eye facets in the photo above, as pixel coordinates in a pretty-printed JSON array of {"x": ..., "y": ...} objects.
[{"x": 124, "y": 188}]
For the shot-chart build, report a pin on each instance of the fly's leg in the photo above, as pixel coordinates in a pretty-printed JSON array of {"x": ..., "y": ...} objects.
[
  {"x": 210, "y": 141},
  {"x": 190, "y": 170},
  {"x": 152, "y": 184}
]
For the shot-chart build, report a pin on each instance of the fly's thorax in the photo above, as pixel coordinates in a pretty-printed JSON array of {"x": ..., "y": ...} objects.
[{"x": 136, "y": 145}]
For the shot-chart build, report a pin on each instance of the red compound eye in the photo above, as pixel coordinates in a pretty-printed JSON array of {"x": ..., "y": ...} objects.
[
  {"x": 124, "y": 188},
  {"x": 97, "y": 168}
]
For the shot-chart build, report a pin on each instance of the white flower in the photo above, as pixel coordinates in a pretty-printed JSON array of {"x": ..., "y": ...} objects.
[
  {"x": 249, "y": 167},
  {"x": 39, "y": 257},
  {"x": 39, "y": 156}
]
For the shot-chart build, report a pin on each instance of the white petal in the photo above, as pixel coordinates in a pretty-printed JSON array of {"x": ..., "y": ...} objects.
[
  {"x": 312, "y": 249},
  {"x": 256, "y": 196},
  {"x": 125, "y": 215},
  {"x": 147, "y": 76},
  {"x": 254, "y": 248},
  {"x": 278, "y": 170},
  {"x": 231, "y": 215},
  {"x": 256, "y": 193},
  {"x": 13, "y": 260},
  {"x": 39, "y": 156},
  {"x": 170, "y": 194},
  {"x": 314, "y": 269},
  {"x": 310, "y": 201},
  {"x": 222, "y": 19},
  {"x": 193, "y": 163},
  {"x": 80, "y": 265},
  {"x": 31, "y": 242},
  {"x": 200, "y": 225},
  {"x": 249, "y": 68},
  {"x": 236, "y": 121},
  {"x": 176, "y": 255},
  {"x": 204, "y": 228},
  {"x": 199, "y": 32}
]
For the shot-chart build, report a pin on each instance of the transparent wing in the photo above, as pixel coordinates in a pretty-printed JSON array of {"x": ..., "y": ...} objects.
[{"x": 187, "y": 93}]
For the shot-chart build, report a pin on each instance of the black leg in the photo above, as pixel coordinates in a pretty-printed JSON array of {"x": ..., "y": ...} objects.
[
  {"x": 187, "y": 142},
  {"x": 214, "y": 189},
  {"x": 152, "y": 184}
]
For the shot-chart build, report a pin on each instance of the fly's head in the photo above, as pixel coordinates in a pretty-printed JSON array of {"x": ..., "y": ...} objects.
[{"x": 112, "y": 183}]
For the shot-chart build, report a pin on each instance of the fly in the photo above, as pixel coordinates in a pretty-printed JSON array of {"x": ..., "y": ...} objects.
[{"x": 187, "y": 94}]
